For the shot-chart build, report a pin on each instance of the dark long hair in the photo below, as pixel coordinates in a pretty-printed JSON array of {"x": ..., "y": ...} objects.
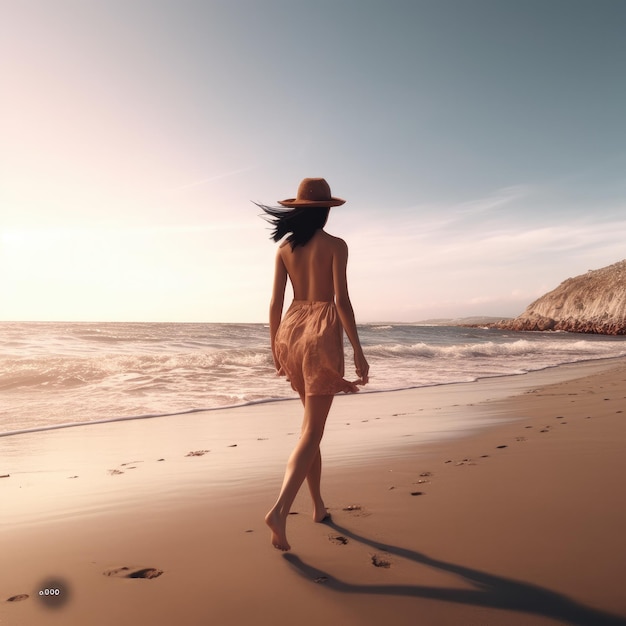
[{"x": 301, "y": 223}]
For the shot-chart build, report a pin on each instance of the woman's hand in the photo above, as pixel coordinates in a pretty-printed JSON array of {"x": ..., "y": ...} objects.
[{"x": 362, "y": 367}]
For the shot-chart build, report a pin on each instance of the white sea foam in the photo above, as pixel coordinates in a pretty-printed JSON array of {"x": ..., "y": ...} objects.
[
  {"x": 494, "y": 349},
  {"x": 58, "y": 373}
]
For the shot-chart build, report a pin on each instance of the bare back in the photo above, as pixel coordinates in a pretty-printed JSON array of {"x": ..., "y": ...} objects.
[
  {"x": 317, "y": 272},
  {"x": 310, "y": 267}
]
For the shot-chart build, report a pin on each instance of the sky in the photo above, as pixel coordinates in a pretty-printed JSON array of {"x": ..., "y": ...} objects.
[{"x": 480, "y": 145}]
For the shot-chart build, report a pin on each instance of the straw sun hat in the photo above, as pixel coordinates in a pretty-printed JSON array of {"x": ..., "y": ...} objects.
[{"x": 312, "y": 192}]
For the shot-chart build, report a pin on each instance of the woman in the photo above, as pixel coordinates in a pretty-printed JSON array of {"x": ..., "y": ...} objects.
[{"x": 308, "y": 343}]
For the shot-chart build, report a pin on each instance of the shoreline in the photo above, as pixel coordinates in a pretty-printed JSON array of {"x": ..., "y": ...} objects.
[
  {"x": 81, "y": 472},
  {"x": 252, "y": 403},
  {"x": 516, "y": 522}
]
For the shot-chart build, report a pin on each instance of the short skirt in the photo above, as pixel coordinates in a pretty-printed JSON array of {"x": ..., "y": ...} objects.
[{"x": 309, "y": 348}]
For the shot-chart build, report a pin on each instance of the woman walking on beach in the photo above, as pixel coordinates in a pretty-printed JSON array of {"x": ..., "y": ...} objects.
[{"x": 307, "y": 343}]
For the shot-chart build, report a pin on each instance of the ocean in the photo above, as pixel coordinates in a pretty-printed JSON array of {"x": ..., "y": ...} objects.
[{"x": 53, "y": 374}]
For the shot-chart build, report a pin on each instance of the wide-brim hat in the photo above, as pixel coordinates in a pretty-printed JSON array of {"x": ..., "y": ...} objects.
[{"x": 312, "y": 192}]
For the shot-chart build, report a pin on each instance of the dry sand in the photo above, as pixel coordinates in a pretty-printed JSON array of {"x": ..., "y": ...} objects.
[{"x": 518, "y": 520}]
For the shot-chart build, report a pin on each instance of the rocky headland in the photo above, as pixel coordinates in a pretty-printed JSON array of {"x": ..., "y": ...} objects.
[{"x": 594, "y": 302}]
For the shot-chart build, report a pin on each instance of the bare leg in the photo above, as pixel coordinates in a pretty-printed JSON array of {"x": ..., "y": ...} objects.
[
  {"x": 313, "y": 480},
  {"x": 300, "y": 463}
]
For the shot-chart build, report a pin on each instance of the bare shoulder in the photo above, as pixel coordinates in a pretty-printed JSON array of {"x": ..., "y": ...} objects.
[
  {"x": 283, "y": 251},
  {"x": 336, "y": 243}
]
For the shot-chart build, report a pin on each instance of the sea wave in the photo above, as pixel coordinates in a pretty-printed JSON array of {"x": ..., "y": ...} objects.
[
  {"x": 57, "y": 372},
  {"x": 69, "y": 371},
  {"x": 493, "y": 349}
]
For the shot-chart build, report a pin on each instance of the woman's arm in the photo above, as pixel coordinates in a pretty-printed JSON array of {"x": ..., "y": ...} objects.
[
  {"x": 345, "y": 310},
  {"x": 276, "y": 303}
]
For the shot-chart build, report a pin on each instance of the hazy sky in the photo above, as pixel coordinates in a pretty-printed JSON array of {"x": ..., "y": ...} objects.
[{"x": 481, "y": 145}]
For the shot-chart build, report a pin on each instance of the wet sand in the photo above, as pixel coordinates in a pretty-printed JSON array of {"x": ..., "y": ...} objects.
[{"x": 490, "y": 503}]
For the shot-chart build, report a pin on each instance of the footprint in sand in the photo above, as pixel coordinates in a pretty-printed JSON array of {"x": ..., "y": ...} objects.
[
  {"x": 356, "y": 510},
  {"x": 339, "y": 540},
  {"x": 465, "y": 462},
  {"x": 18, "y": 598},
  {"x": 127, "y": 572},
  {"x": 377, "y": 561},
  {"x": 115, "y": 472},
  {"x": 197, "y": 453}
]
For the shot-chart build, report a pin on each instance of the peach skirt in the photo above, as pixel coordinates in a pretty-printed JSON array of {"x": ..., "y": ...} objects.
[{"x": 309, "y": 348}]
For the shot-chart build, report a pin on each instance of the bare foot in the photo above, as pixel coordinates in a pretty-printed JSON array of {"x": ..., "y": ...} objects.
[
  {"x": 320, "y": 513},
  {"x": 277, "y": 526}
]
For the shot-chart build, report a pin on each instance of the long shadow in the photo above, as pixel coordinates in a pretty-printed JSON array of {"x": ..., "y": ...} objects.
[{"x": 490, "y": 591}]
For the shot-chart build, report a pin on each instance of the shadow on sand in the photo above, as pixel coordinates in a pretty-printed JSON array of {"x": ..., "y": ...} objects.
[{"x": 490, "y": 591}]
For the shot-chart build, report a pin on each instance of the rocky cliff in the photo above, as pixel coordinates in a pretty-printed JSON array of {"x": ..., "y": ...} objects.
[{"x": 594, "y": 302}]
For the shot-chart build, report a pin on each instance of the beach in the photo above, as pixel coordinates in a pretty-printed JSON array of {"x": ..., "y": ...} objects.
[{"x": 495, "y": 502}]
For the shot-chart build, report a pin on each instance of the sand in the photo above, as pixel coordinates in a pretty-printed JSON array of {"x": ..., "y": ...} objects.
[{"x": 491, "y": 503}]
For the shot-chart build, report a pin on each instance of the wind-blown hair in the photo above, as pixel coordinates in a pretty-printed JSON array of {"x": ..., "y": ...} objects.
[{"x": 301, "y": 222}]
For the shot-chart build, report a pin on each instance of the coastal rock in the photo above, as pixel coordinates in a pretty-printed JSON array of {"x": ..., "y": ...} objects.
[{"x": 594, "y": 302}]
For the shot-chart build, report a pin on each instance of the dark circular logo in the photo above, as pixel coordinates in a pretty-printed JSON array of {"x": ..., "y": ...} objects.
[{"x": 53, "y": 593}]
